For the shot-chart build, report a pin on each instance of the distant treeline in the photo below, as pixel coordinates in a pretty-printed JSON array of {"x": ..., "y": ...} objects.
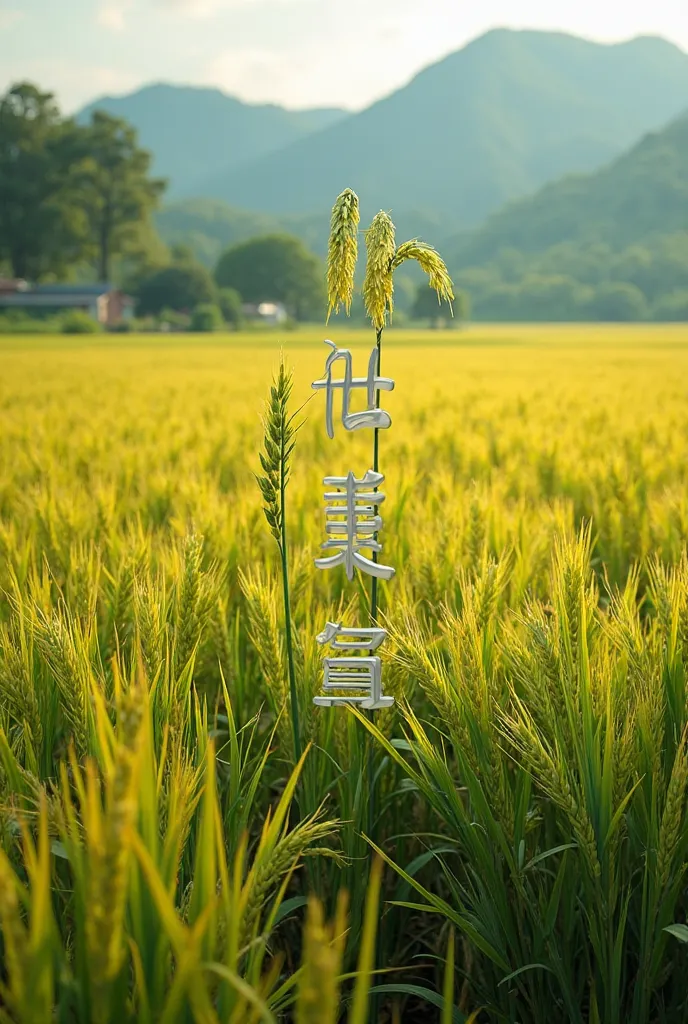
[
  {"x": 73, "y": 197},
  {"x": 583, "y": 282},
  {"x": 78, "y": 201},
  {"x": 606, "y": 246}
]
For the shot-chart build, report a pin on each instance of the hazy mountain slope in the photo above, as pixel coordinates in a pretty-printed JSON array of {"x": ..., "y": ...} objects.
[
  {"x": 489, "y": 123},
  {"x": 209, "y": 225},
  {"x": 639, "y": 196},
  {"x": 195, "y": 132}
]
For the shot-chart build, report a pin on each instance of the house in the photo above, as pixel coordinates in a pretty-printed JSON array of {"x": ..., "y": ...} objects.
[
  {"x": 269, "y": 313},
  {"x": 102, "y": 302},
  {"x": 12, "y": 285}
]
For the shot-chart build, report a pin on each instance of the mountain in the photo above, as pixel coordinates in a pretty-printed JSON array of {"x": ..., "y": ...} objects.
[
  {"x": 588, "y": 246},
  {"x": 639, "y": 196},
  {"x": 194, "y": 132},
  {"x": 208, "y": 226},
  {"x": 489, "y": 123}
]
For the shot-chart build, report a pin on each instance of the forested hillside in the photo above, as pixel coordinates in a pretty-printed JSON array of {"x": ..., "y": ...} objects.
[
  {"x": 610, "y": 245},
  {"x": 489, "y": 123}
]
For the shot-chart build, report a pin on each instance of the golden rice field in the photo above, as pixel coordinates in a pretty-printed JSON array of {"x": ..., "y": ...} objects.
[{"x": 167, "y": 858}]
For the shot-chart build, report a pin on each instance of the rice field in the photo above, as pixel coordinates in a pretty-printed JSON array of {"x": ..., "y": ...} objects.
[{"x": 508, "y": 843}]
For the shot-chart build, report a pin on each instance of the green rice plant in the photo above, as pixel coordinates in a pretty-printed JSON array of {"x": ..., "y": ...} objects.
[
  {"x": 568, "y": 857},
  {"x": 318, "y": 1000},
  {"x": 536, "y": 792},
  {"x": 158, "y": 918},
  {"x": 278, "y": 446}
]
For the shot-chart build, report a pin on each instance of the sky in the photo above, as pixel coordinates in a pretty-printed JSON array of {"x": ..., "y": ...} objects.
[{"x": 299, "y": 53}]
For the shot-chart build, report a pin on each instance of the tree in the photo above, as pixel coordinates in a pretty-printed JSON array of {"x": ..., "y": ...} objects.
[
  {"x": 181, "y": 286},
  {"x": 426, "y": 306},
  {"x": 40, "y": 228},
  {"x": 275, "y": 268},
  {"x": 117, "y": 193},
  {"x": 618, "y": 301},
  {"x": 207, "y": 317},
  {"x": 230, "y": 303},
  {"x": 672, "y": 308}
]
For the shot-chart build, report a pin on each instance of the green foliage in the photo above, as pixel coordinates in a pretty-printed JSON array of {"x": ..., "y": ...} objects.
[
  {"x": 426, "y": 306},
  {"x": 571, "y": 829},
  {"x": 41, "y": 223},
  {"x": 672, "y": 307},
  {"x": 207, "y": 317},
  {"x": 641, "y": 194},
  {"x": 209, "y": 226},
  {"x": 69, "y": 194},
  {"x": 115, "y": 189},
  {"x": 230, "y": 303},
  {"x": 154, "y": 917},
  {"x": 616, "y": 300},
  {"x": 180, "y": 286},
  {"x": 609, "y": 245},
  {"x": 274, "y": 268},
  {"x": 77, "y": 321},
  {"x": 20, "y": 324},
  {"x": 279, "y": 441},
  {"x": 171, "y": 319}
]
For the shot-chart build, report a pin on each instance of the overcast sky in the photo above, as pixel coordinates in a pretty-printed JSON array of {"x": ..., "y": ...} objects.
[{"x": 295, "y": 52}]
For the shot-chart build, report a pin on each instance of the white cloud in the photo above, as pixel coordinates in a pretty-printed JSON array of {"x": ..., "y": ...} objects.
[
  {"x": 334, "y": 64},
  {"x": 206, "y": 8},
  {"x": 112, "y": 16},
  {"x": 74, "y": 83},
  {"x": 305, "y": 78},
  {"x": 254, "y": 73},
  {"x": 8, "y": 17}
]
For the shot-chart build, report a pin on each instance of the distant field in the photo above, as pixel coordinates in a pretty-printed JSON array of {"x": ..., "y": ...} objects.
[{"x": 590, "y": 419}]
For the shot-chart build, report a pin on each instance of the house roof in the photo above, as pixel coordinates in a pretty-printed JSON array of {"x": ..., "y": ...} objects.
[
  {"x": 93, "y": 290},
  {"x": 54, "y": 299}
]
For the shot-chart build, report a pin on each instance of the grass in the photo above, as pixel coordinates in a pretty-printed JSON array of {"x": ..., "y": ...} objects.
[{"x": 531, "y": 792}]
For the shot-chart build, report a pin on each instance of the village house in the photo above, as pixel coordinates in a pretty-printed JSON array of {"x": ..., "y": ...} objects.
[
  {"x": 269, "y": 313},
  {"x": 105, "y": 304}
]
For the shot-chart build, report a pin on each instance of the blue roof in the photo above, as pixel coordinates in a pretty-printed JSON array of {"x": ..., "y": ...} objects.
[{"x": 72, "y": 289}]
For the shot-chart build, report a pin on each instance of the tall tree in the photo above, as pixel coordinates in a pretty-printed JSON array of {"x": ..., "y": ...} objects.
[
  {"x": 274, "y": 268},
  {"x": 427, "y": 306},
  {"x": 39, "y": 227},
  {"x": 117, "y": 192},
  {"x": 182, "y": 285}
]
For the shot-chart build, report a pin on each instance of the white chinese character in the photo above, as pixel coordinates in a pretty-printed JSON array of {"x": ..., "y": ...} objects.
[
  {"x": 370, "y": 417},
  {"x": 352, "y": 523},
  {"x": 361, "y": 673}
]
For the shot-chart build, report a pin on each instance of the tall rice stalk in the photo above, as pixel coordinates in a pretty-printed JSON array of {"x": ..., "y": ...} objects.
[{"x": 280, "y": 430}]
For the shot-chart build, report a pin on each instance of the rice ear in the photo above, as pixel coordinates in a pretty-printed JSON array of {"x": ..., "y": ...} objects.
[
  {"x": 342, "y": 252},
  {"x": 431, "y": 262},
  {"x": 378, "y": 286}
]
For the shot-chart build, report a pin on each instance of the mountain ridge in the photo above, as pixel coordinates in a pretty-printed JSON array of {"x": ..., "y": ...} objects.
[
  {"x": 513, "y": 109},
  {"x": 612, "y": 244},
  {"x": 641, "y": 194},
  {"x": 186, "y": 128}
]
